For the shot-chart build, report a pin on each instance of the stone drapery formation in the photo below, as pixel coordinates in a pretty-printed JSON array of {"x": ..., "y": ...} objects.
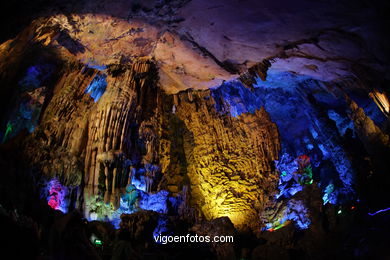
[
  {"x": 267, "y": 121},
  {"x": 96, "y": 137},
  {"x": 109, "y": 146},
  {"x": 227, "y": 160},
  {"x": 179, "y": 142}
]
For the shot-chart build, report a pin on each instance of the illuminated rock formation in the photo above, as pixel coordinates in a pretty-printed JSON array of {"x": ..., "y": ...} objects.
[
  {"x": 75, "y": 127},
  {"x": 198, "y": 116},
  {"x": 226, "y": 159}
]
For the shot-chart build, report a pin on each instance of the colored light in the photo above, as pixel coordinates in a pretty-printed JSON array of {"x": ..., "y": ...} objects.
[
  {"x": 330, "y": 194},
  {"x": 8, "y": 131},
  {"x": 97, "y": 87},
  {"x": 280, "y": 226},
  {"x": 379, "y": 211},
  {"x": 98, "y": 242},
  {"x": 56, "y": 198},
  {"x": 381, "y": 100},
  {"x": 285, "y": 223},
  {"x": 353, "y": 207}
]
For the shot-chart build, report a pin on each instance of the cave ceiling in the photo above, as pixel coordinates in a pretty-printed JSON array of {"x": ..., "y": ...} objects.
[
  {"x": 251, "y": 117},
  {"x": 199, "y": 44}
]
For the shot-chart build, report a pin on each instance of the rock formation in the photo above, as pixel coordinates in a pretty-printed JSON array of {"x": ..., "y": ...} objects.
[
  {"x": 214, "y": 118},
  {"x": 223, "y": 159}
]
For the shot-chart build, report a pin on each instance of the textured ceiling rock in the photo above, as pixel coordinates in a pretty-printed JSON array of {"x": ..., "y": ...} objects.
[
  {"x": 181, "y": 65},
  {"x": 246, "y": 32},
  {"x": 99, "y": 39},
  {"x": 198, "y": 44}
]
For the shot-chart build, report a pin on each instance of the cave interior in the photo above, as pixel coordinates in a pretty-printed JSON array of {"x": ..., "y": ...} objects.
[{"x": 125, "y": 120}]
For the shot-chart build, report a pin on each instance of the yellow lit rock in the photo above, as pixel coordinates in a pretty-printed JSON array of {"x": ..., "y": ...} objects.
[{"x": 227, "y": 160}]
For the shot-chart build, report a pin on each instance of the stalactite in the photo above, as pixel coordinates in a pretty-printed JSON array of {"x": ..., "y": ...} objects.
[
  {"x": 114, "y": 114},
  {"x": 92, "y": 134},
  {"x": 224, "y": 158}
]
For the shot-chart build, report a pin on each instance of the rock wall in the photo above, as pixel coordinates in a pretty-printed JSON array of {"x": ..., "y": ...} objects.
[
  {"x": 77, "y": 136},
  {"x": 226, "y": 161},
  {"x": 177, "y": 142},
  {"x": 130, "y": 100}
]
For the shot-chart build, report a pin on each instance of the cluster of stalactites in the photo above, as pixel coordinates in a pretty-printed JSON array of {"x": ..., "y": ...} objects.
[{"x": 114, "y": 135}]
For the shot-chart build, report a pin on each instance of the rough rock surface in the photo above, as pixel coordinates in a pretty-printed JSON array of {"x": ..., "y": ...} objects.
[
  {"x": 226, "y": 158},
  {"x": 148, "y": 95},
  {"x": 221, "y": 159},
  {"x": 198, "y": 44}
]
